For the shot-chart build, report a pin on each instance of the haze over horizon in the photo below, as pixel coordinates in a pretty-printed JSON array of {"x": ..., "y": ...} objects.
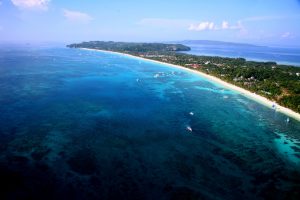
[{"x": 256, "y": 22}]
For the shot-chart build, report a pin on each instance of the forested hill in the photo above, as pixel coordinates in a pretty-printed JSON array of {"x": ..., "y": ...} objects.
[{"x": 131, "y": 46}]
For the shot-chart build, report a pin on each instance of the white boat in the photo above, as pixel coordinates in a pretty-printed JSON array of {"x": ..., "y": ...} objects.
[
  {"x": 189, "y": 128},
  {"x": 191, "y": 113}
]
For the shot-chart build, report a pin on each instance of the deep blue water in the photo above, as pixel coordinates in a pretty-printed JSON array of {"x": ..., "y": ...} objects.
[
  {"x": 281, "y": 55},
  {"x": 78, "y": 124}
]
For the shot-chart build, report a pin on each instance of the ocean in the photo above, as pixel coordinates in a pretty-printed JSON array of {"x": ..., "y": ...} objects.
[
  {"x": 77, "y": 124},
  {"x": 281, "y": 55}
]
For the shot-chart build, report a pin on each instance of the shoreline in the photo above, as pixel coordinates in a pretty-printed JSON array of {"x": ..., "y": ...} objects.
[
  {"x": 255, "y": 97},
  {"x": 294, "y": 64}
]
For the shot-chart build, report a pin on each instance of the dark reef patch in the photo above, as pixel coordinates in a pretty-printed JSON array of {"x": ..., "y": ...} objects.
[{"x": 83, "y": 162}]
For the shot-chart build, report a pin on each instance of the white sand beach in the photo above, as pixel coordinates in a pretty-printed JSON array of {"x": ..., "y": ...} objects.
[{"x": 246, "y": 93}]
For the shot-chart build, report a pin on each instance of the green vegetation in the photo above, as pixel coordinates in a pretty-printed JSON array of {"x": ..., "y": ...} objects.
[
  {"x": 280, "y": 83},
  {"x": 130, "y": 46}
]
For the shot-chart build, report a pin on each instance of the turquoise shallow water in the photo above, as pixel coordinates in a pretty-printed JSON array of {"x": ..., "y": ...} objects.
[{"x": 77, "y": 124}]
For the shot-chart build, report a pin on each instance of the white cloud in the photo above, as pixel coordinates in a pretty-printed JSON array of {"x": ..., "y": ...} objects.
[
  {"x": 286, "y": 35},
  {"x": 76, "y": 16},
  {"x": 31, "y": 4},
  {"x": 204, "y": 26},
  {"x": 191, "y": 25},
  {"x": 225, "y": 25}
]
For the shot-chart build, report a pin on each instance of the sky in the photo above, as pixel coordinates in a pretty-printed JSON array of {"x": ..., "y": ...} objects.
[{"x": 273, "y": 22}]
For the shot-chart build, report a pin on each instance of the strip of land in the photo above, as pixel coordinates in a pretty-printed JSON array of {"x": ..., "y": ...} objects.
[
  {"x": 269, "y": 83},
  {"x": 242, "y": 91}
]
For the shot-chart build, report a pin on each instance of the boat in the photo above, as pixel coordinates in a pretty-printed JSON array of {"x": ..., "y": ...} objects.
[
  {"x": 189, "y": 128},
  {"x": 156, "y": 76}
]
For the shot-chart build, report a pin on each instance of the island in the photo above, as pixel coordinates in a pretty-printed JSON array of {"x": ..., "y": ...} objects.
[
  {"x": 278, "y": 83},
  {"x": 130, "y": 47}
]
